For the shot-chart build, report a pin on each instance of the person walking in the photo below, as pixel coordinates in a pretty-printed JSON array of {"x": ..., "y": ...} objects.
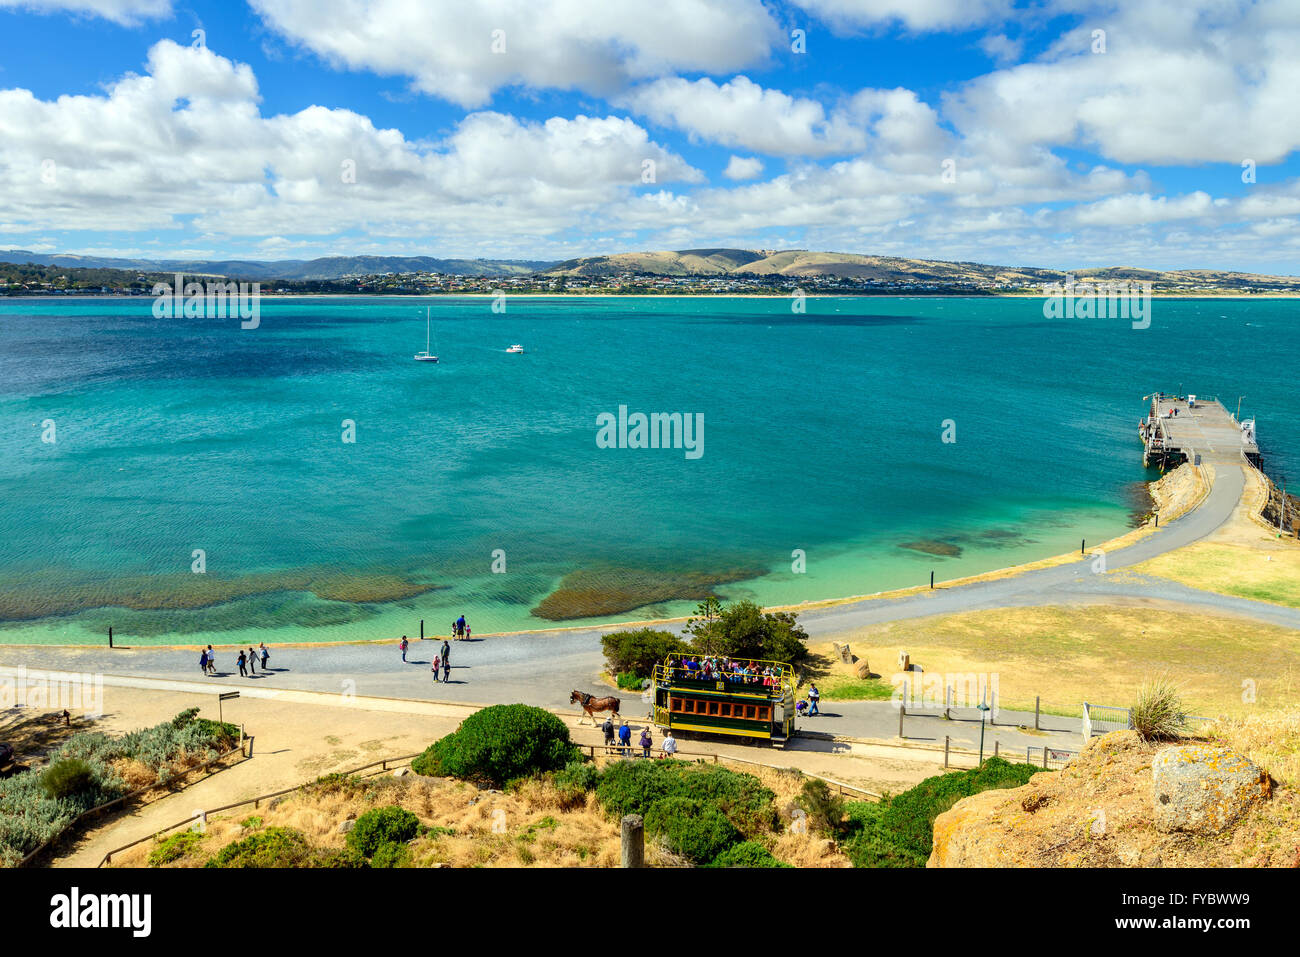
[
  {"x": 243, "y": 670},
  {"x": 813, "y": 697},
  {"x": 608, "y": 728},
  {"x": 670, "y": 744},
  {"x": 266, "y": 655},
  {"x": 212, "y": 661},
  {"x": 446, "y": 671},
  {"x": 446, "y": 652},
  {"x": 625, "y": 738},
  {"x": 403, "y": 644},
  {"x": 203, "y": 661},
  {"x": 437, "y": 663},
  {"x": 646, "y": 741},
  {"x": 252, "y": 662}
]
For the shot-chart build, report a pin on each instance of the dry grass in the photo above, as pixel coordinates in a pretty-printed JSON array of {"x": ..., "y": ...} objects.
[
  {"x": 1069, "y": 654},
  {"x": 527, "y": 827},
  {"x": 1270, "y": 739}
]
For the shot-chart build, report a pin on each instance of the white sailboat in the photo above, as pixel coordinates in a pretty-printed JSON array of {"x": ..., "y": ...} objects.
[{"x": 426, "y": 355}]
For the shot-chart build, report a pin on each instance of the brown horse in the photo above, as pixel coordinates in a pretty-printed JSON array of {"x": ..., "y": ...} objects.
[{"x": 591, "y": 704}]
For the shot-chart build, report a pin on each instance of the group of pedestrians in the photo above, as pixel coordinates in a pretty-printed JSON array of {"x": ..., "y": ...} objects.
[
  {"x": 646, "y": 742},
  {"x": 460, "y": 628},
  {"x": 441, "y": 661},
  {"x": 247, "y": 660}
]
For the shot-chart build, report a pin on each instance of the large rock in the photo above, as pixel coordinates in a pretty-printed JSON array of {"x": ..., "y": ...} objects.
[
  {"x": 1204, "y": 788},
  {"x": 863, "y": 670}
]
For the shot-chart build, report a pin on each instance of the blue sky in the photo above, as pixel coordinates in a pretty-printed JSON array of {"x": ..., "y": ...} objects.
[{"x": 1058, "y": 133}]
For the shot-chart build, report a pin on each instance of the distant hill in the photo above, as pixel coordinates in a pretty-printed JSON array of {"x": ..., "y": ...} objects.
[
  {"x": 803, "y": 262},
  {"x": 681, "y": 263},
  {"x": 330, "y": 267}
]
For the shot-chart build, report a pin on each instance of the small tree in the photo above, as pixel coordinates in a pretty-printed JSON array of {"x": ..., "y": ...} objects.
[
  {"x": 744, "y": 630},
  {"x": 637, "y": 651}
]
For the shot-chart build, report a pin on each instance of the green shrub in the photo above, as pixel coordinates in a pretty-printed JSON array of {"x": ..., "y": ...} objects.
[
  {"x": 825, "y": 810},
  {"x": 629, "y": 681},
  {"x": 175, "y": 847},
  {"x": 637, "y": 651},
  {"x": 344, "y": 857},
  {"x": 382, "y": 825},
  {"x": 391, "y": 854},
  {"x": 573, "y": 781},
  {"x": 690, "y": 828},
  {"x": 632, "y": 787},
  {"x": 1158, "y": 712},
  {"x": 747, "y": 854},
  {"x": 274, "y": 847},
  {"x": 744, "y": 630},
  {"x": 899, "y": 830},
  {"x": 67, "y": 778},
  {"x": 498, "y": 744}
]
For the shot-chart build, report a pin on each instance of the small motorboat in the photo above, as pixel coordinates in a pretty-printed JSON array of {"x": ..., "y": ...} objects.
[{"x": 516, "y": 348}]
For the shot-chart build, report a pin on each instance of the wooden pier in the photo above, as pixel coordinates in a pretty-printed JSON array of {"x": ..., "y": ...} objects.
[{"x": 1194, "y": 428}]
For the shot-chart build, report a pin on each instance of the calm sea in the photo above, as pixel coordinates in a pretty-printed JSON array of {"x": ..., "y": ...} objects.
[{"x": 182, "y": 446}]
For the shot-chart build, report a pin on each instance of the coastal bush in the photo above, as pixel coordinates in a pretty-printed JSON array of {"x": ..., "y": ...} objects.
[
  {"x": 67, "y": 778},
  {"x": 30, "y": 816},
  {"x": 747, "y": 854},
  {"x": 382, "y": 825},
  {"x": 174, "y": 847},
  {"x": 629, "y": 681},
  {"x": 498, "y": 744},
  {"x": 637, "y": 651},
  {"x": 391, "y": 854},
  {"x": 690, "y": 828},
  {"x": 825, "y": 810},
  {"x": 899, "y": 831},
  {"x": 274, "y": 847},
  {"x": 633, "y": 787},
  {"x": 743, "y": 630},
  {"x": 574, "y": 781},
  {"x": 1158, "y": 712}
]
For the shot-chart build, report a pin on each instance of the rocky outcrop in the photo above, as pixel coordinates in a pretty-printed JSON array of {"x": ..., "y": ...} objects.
[{"x": 1124, "y": 802}]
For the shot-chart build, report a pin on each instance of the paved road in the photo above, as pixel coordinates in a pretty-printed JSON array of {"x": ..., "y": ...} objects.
[{"x": 541, "y": 668}]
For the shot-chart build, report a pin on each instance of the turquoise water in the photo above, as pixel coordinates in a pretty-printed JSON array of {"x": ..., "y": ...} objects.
[{"x": 822, "y": 432}]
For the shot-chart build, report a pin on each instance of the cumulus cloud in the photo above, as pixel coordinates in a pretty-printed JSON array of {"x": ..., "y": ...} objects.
[
  {"x": 918, "y": 15},
  {"x": 187, "y": 139},
  {"x": 126, "y": 12},
  {"x": 743, "y": 167},
  {"x": 464, "y": 51}
]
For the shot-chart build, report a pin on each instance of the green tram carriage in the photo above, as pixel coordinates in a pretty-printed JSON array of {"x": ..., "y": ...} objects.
[{"x": 726, "y": 704}]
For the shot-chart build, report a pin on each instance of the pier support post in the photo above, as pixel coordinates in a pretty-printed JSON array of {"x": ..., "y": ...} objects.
[{"x": 633, "y": 834}]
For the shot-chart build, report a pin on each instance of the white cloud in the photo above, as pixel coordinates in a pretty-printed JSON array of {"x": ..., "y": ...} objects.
[
  {"x": 188, "y": 139},
  {"x": 740, "y": 113},
  {"x": 918, "y": 15},
  {"x": 1001, "y": 48},
  {"x": 446, "y": 46},
  {"x": 743, "y": 167},
  {"x": 127, "y": 12}
]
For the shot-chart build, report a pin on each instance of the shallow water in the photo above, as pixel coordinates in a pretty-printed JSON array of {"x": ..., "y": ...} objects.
[{"x": 821, "y": 432}]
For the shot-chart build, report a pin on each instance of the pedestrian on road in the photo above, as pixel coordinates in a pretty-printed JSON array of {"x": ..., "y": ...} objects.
[
  {"x": 446, "y": 652},
  {"x": 266, "y": 655},
  {"x": 813, "y": 697},
  {"x": 670, "y": 744},
  {"x": 446, "y": 671},
  {"x": 460, "y": 627},
  {"x": 212, "y": 661},
  {"x": 608, "y": 728},
  {"x": 242, "y": 669},
  {"x": 252, "y": 661},
  {"x": 437, "y": 663},
  {"x": 625, "y": 738},
  {"x": 646, "y": 741},
  {"x": 467, "y": 631},
  {"x": 203, "y": 661},
  {"x": 402, "y": 644}
]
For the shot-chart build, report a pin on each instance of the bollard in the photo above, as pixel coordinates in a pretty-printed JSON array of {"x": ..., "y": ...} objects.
[
  {"x": 900, "y": 722},
  {"x": 931, "y": 578},
  {"x": 633, "y": 833},
  {"x": 1082, "y": 542},
  {"x": 110, "y": 636},
  {"x": 946, "y": 741},
  {"x": 947, "y": 701},
  {"x": 1037, "y": 700},
  {"x": 422, "y": 629},
  {"x": 995, "y": 749}
]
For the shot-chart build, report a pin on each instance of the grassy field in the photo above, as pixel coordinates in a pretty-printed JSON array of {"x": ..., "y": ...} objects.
[
  {"x": 1254, "y": 572},
  {"x": 1100, "y": 654}
]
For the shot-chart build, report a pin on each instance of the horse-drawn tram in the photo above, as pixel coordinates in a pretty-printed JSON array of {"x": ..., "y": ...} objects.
[{"x": 741, "y": 696}]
